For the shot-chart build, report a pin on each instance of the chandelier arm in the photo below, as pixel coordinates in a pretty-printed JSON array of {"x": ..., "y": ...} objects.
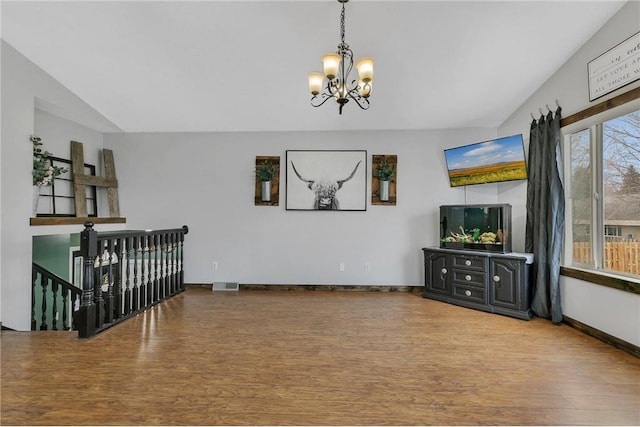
[
  {"x": 332, "y": 87},
  {"x": 361, "y": 101},
  {"x": 318, "y": 103}
]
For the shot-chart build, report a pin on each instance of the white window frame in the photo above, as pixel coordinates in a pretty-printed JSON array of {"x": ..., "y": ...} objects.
[{"x": 594, "y": 124}]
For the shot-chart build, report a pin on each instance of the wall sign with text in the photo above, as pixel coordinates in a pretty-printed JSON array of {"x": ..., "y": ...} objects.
[{"x": 615, "y": 68}]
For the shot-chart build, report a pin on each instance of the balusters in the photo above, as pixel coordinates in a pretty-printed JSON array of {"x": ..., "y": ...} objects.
[
  {"x": 54, "y": 306},
  {"x": 170, "y": 254},
  {"x": 174, "y": 257},
  {"x": 126, "y": 258},
  {"x": 163, "y": 270},
  {"x": 108, "y": 277},
  {"x": 143, "y": 284},
  {"x": 43, "y": 319},
  {"x": 156, "y": 277},
  {"x": 167, "y": 251},
  {"x": 34, "y": 279},
  {"x": 65, "y": 310},
  {"x": 150, "y": 248},
  {"x": 136, "y": 289},
  {"x": 97, "y": 291},
  {"x": 117, "y": 280}
]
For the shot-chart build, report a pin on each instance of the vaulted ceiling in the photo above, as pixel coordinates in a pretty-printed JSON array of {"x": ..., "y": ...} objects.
[{"x": 180, "y": 66}]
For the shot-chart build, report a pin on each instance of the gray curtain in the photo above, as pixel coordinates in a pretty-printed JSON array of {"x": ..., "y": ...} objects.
[{"x": 545, "y": 214}]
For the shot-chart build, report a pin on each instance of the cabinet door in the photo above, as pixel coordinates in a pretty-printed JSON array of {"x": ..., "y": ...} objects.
[
  {"x": 505, "y": 282},
  {"x": 436, "y": 269}
]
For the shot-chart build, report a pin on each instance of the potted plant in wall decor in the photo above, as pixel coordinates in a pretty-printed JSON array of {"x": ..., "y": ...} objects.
[
  {"x": 385, "y": 173},
  {"x": 266, "y": 172},
  {"x": 43, "y": 173}
]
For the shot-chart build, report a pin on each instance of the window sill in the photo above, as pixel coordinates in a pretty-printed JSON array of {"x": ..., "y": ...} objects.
[
  {"x": 74, "y": 220},
  {"x": 611, "y": 281}
]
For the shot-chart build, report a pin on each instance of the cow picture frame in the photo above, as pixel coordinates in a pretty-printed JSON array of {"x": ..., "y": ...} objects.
[{"x": 332, "y": 180}]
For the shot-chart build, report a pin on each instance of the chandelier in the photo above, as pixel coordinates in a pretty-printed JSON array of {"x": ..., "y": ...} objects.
[{"x": 337, "y": 67}]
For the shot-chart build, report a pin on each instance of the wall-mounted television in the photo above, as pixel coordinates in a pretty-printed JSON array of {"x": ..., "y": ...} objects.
[{"x": 496, "y": 160}]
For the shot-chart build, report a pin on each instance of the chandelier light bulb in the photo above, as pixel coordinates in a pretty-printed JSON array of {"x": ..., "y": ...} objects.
[
  {"x": 315, "y": 82},
  {"x": 331, "y": 64},
  {"x": 365, "y": 69}
]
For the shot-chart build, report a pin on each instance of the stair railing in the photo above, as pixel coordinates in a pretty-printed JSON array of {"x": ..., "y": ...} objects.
[
  {"x": 64, "y": 299},
  {"x": 126, "y": 272}
]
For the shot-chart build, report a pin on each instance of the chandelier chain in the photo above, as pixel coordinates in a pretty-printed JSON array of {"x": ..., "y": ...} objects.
[{"x": 342, "y": 25}]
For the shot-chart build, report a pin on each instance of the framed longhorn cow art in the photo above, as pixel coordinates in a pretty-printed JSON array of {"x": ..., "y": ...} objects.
[{"x": 326, "y": 180}]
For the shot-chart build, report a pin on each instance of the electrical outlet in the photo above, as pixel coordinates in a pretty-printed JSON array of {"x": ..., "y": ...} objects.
[
  {"x": 342, "y": 266},
  {"x": 215, "y": 265},
  {"x": 367, "y": 266}
]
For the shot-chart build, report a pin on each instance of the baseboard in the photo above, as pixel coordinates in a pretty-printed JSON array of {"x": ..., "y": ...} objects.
[
  {"x": 603, "y": 336},
  {"x": 350, "y": 288}
]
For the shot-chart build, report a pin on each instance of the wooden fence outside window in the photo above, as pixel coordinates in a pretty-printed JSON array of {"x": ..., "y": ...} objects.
[{"x": 619, "y": 255}]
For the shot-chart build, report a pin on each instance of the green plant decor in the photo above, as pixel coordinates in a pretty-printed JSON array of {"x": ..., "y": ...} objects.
[
  {"x": 384, "y": 171},
  {"x": 43, "y": 171},
  {"x": 266, "y": 171}
]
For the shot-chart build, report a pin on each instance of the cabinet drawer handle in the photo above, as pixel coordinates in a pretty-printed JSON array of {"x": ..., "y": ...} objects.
[
  {"x": 467, "y": 293},
  {"x": 443, "y": 271},
  {"x": 496, "y": 278},
  {"x": 467, "y": 263},
  {"x": 467, "y": 278}
]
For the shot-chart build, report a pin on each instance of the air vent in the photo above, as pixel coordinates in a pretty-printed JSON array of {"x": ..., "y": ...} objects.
[{"x": 225, "y": 286}]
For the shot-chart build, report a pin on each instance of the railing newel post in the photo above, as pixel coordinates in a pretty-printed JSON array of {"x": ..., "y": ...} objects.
[{"x": 86, "y": 316}]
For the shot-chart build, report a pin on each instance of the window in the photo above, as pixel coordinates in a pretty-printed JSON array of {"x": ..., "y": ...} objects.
[
  {"x": 612, "y": 231},
  {"x": 58, "y": 199},
  {"x": 603, "y": 209}
]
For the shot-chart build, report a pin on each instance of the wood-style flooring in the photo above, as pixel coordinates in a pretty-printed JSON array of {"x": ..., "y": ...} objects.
[{"x": 317, "y": 358}]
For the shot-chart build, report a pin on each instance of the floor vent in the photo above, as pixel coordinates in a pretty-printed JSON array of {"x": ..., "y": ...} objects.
[{"x": 225, "y": 286}]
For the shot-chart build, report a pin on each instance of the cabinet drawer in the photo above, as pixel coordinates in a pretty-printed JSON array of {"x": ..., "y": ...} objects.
[
  {"x": 466, "y": 277},
  {"x": 469, "y": 262},
  {"x": 470, "y": 293}
]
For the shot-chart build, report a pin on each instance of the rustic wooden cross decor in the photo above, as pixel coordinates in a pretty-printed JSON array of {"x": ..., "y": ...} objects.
[{"x": 80, "y": 180}]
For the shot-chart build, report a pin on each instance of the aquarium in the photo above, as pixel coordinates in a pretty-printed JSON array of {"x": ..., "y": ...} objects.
[{"x": 476, "y": 227}]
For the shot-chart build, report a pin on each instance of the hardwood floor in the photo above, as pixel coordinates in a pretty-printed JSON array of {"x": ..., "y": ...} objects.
[{"x": 317, "y": 358}]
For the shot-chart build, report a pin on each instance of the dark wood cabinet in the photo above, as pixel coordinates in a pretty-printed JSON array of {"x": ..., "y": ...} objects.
[{"x": 497, "y": 283}]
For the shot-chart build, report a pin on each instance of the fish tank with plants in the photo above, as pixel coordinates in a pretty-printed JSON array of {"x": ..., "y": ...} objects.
[{"x": 476, "y": 227}]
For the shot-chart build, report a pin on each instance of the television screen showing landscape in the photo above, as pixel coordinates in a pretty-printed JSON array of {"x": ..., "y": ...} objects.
[{"x": 496, "y": 160}]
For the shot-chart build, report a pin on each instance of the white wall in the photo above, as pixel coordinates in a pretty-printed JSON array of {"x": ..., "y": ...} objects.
[
  {"x": 614, "y": 312},
  {"x": 205, "y": 180},
  {"x": 22, "y": 83}
]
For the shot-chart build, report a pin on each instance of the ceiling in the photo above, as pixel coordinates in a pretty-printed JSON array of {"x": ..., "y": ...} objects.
[{"x": 182, "y": 66}]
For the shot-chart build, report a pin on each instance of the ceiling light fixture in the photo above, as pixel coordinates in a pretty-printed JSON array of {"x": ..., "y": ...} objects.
[{"x": 337, "y": 67}]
